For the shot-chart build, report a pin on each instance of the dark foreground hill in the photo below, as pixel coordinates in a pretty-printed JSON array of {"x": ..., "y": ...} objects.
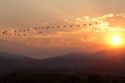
[
  {"x": 108, "y": 61},
  {"x": 100, "y": 67}
]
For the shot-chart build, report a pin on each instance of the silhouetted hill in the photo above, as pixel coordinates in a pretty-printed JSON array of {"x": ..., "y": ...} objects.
[
  {"x": 107, "y": 61},
  {"x": 71, "y": 61},
  {"x": 5, "y": 55},
  {"x": 12, "y": 62}
]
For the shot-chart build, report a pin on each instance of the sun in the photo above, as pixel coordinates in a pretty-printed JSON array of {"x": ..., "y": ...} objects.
[{"x": 116, "y": 40}]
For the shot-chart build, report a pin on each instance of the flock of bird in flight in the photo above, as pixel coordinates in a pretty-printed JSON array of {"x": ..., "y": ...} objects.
[{"x": 26, "y": 30}]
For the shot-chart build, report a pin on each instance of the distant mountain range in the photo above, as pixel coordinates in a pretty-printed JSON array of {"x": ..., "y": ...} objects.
[{"x": 108, "y": 61}]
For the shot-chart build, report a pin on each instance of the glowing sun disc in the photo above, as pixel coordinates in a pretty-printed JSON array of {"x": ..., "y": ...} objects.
[{"x": 116, "y": 40}]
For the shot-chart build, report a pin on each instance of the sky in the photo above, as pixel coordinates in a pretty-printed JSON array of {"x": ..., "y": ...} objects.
[{"x": 107, "y": 17}]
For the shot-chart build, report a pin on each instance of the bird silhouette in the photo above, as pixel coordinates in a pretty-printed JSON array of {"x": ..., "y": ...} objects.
[
  {"x": 40, "y": 32},
  {"x": 24, "y": 34},
  {"x": 3, "y": 32},
  {"x": 35, "y": 28},
  {"x": 58, "y": 27},
  {"x": 47, "y": 27},
  {"x": 78, "y": 25},
  {"x": 90, "y": 24},
  {"x": 84, "y": 25},
  {"x": 71, "y": 26}
]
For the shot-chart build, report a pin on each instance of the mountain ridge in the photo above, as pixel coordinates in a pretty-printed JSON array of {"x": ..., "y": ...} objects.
[{"x": 76, "y": 62}]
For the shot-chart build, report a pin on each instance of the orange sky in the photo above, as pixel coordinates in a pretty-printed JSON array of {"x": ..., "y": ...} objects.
[{"x": 106, "y": 18}]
